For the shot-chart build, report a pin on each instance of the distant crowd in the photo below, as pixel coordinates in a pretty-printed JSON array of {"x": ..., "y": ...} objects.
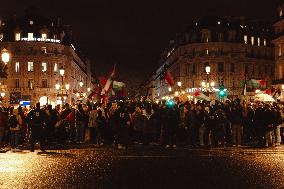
[{"x": 201, "y": 124}]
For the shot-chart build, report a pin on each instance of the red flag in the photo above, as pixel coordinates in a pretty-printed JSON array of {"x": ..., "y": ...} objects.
[
  {"x": 196, "y": 93},
  {"x": 263, "y": 83},
  {"x": 169, "y": 78}
]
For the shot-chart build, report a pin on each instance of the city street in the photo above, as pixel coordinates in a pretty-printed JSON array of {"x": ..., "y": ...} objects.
[{"x": 144, "y": 167}]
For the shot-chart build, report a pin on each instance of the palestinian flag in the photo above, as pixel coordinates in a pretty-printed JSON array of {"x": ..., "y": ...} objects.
[
  {"x": 258, "y": 83},
  {"x": 108, "y": 82},
  {"x": 117, "y": 86}
]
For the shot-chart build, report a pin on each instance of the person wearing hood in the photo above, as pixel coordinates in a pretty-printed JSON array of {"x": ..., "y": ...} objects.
[{"x": 15, "y": 122}]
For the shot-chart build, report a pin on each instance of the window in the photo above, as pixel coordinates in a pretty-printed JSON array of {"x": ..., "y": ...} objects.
[
  {"x": 280, "y": 13},
  {"x": 55, "y": 67},
  {"x": 193, "y": 69},
  {"x": 245, "y": 39},
  {"x": 30, "y": 66},
  {"x": 264, "y": 42},
  {"x": 43, "y": 36},
  {"x": 44, "y": 50},
  {"x": 220, "y": 67},
  {"x": 31, "y": 22},
  {"x": 30, "y": 36},
  {"x": 252, "y": 40},
  {"x": 17, "y": 67},
  {"x": 30, "y": 84},
  {"x": 258, "y": 41},
  {"x": 207, "y": 51},
  {"x": 232, "y": 68},
  {"x": 220, "y": 36},
  {"x": 279, "y": 50},
  {"x": 44, "y": 83},
  {"x": 17, "y": 36},
  {"x": 43, "y": 66},
  {"x": 17, "y": 83}
]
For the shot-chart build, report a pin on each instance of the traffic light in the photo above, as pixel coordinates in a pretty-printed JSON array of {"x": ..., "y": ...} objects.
[
  {"x": 170, "y": 103},
  {"x": 222, "y": 92}
]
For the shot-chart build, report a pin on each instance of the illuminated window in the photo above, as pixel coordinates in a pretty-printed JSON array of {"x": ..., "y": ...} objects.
[
  {"x": 30, "y": 66},
  {"x": 30, "y": 36},
  {"x": 207, "y": 51},
  {"x": 258, "y": 41},
  {"x": 245, "y": 39},
  {"x": 43, "y": 66},
  {"x": 17, "y": 67},
  {"x": 44, "y": 50},
  {"x": 55, "y": 67},
  {"x": 30, "y": 84},
  {"x": 17, "y": 37},
  {"x": 252, "y": 40},
  {"x": 264, "y": 42},
  {"x": 44, "y": 36},
  {"x": 1, "y": 36},
  {"x": 17, "y": 83},
  {"x": 280, "y": 50},
  {"x": 281, "y": 13},
  {"x": 31, "y": 22}
]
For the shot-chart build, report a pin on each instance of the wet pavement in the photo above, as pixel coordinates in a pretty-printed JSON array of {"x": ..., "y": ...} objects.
[{"x": 144, "y": 167}]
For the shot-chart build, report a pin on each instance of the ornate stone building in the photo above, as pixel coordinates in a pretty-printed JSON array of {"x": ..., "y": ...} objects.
[
  {"x": 234, "y": 48},
  {"x": 39, "y": 47},
  {"x": 279, "y": 45}
]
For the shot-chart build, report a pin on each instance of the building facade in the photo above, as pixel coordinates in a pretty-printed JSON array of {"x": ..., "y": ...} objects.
[
  {"x": 235, "y": 49},
  {"x": 279, "y": 45},
  {"x": 39, "y": 48}
]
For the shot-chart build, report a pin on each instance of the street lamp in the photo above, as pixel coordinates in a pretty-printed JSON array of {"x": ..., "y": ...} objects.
[
  {"x": 5, "y": 56},
  {"x": 81, "y": 83},
  {"x": 62, "y": 96},
  {"x": 208, "y": 70},
  {"x": 61, "y": 71}
]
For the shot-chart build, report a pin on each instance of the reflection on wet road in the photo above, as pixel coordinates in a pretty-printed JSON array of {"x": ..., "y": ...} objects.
[{"x": 142, "y": 168}]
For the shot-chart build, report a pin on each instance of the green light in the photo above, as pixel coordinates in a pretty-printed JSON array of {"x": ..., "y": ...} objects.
[{"x": 170, "y": 103}]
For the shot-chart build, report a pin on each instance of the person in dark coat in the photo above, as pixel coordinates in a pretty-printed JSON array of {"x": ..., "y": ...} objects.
[
  {"x": 101, "y": 126},
  {"x": 37, "y": 119},
  {"x": 123, "y": 126},
  {"x": 171, "y": 125}
]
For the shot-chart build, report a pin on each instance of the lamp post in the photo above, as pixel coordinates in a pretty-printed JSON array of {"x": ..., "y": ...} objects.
[
  {"x": 5, "y": 57},
  {"x": 63, "y": 87},
  {"x": 207, "y": 85}
]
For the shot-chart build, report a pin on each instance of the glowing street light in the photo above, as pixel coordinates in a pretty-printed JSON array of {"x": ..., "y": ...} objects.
[
  {"x": 57, "y": 86},
  {"x": 5, "y": 56},
  {"x": 81, "y": 83},
  {"x": 67, "y": 86},
  {"x": 61, "y": 71},
  {"x": 208, "y": 69}
]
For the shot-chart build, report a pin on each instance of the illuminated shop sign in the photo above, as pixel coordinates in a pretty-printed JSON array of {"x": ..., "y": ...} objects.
[{"x": 41, "y": 39}]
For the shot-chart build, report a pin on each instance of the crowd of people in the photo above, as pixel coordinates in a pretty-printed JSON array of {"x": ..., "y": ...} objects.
[{"x": 201, "y": 124}]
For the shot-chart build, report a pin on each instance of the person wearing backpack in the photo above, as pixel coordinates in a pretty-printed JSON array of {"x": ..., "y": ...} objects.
[
  {"x": 37, "y": 119},
  {"x": 14, "y": 123}
]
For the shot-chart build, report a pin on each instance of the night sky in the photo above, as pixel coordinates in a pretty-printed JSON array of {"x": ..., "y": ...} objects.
[{"x": 132, "y": 33}]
